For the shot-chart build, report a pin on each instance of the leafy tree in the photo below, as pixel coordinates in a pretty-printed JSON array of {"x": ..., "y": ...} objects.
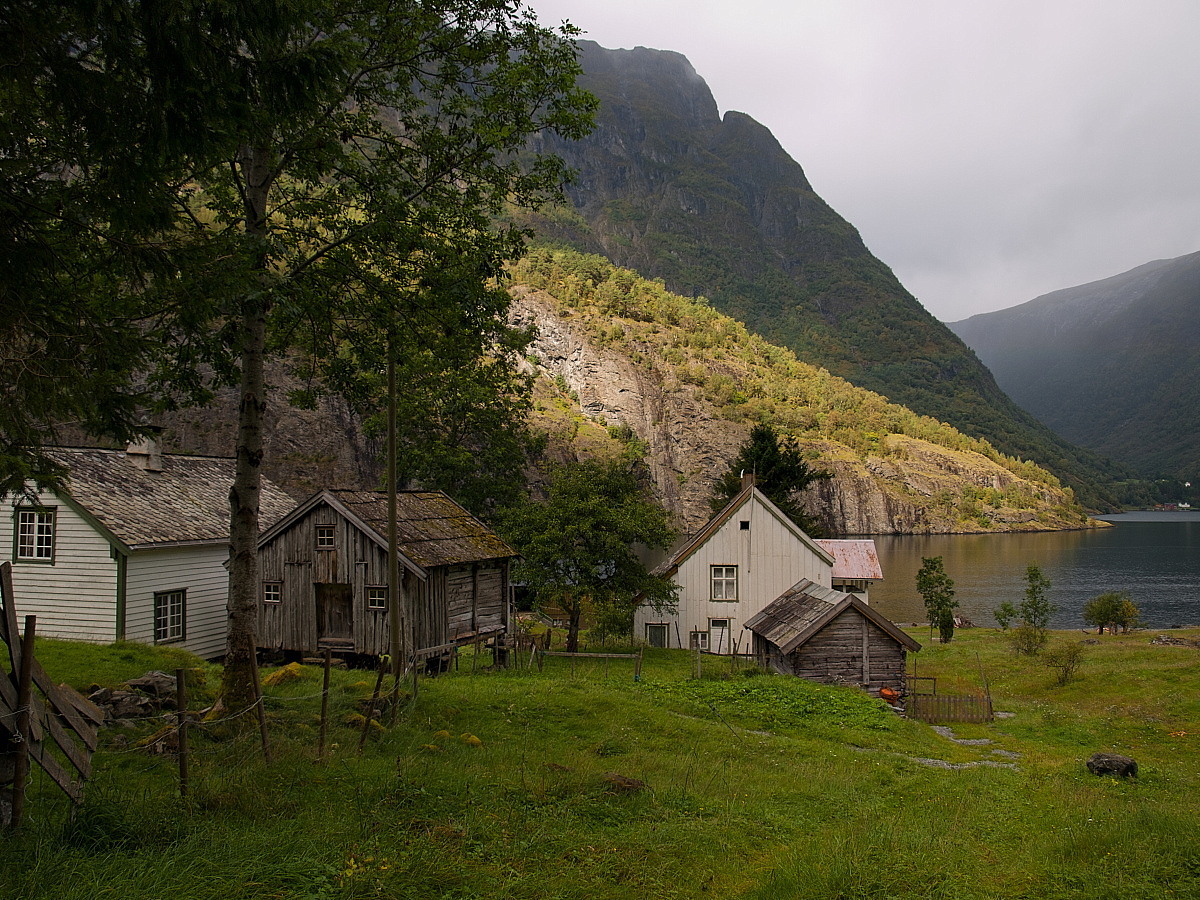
[
  {"x": 322, "y": 156},
  {"x": 1004, "y": 614},
  {"x": 780, "y": 472},
  {"x": 577, "y": 546},
  {"x": 1034, "y": 612},
  {"x": 1112, "y": 610},
  {"x": 937, "y": 590}
]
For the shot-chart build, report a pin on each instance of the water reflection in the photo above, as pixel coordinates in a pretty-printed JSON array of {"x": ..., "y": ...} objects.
[{"x": 1156, "y": 557}]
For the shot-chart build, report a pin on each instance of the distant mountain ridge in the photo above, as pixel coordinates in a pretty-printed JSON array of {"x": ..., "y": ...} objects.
[
  {"x": 714, "y": 206},
  {"x": 1113, "y": 365}
]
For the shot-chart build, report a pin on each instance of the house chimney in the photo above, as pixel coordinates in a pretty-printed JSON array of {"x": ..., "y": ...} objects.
[
  {"x": 747, "y": 479},
  {"x": 146, "y": 453}
]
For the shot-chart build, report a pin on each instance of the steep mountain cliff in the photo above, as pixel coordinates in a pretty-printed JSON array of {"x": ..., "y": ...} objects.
[
  {"x": 715, "y": 207},
  {"x": 1113, "y": 365},
  {"x": 688, "y": 383}
]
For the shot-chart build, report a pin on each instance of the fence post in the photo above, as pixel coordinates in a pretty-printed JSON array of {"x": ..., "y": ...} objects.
[
  {"x": 324, "y": 705},
  {"x": 362, "y": 738},
  {"x": 262, "y": 708},
  {"x": 24, "y": 720},
  {"x": 181, "y": 713}
]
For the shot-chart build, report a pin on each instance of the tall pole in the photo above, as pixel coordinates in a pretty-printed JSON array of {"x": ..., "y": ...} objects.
[{"x": 395, "y": 611}]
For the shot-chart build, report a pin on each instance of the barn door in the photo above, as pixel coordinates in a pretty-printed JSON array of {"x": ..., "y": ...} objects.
[{"x": 335, "y": 612}]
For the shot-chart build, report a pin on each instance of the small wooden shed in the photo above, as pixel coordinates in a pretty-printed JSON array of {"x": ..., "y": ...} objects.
[
  {"x": 324, "y": 573},
  {"x": 828, "y": 636}
]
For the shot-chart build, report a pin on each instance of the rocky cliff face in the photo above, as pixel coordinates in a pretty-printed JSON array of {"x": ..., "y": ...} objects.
[{"x": 917, "y": 487}]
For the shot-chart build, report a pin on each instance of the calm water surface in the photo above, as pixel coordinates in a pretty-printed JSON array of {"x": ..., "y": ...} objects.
[{"x": 1153, "y": 556}]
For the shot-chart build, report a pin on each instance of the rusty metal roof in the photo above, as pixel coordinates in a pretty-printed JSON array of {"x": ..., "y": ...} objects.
[
  {"x": 804, "y": 609},
  {"x": 432, "y": 530},
  {"x": 854, "y": 559},
  {"x": 187, "y": 502}
]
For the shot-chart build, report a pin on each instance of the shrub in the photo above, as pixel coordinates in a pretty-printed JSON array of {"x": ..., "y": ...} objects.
[
  {"x": 1028, "y": 640},
  {"x": 1065, "y": 658}
]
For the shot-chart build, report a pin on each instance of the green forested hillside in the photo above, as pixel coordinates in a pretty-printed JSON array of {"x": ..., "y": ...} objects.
[
  {"x": 714, "y": 206},
  {"x": 1113, "y": 365},
  {"x": 690, "y": 345}
]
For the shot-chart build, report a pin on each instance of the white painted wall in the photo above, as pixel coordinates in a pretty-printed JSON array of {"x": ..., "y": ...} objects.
[
  {"x": 198, "y": 570},
  {"x": 76, "y": 596},
  {"x": 770, "y": 558}
]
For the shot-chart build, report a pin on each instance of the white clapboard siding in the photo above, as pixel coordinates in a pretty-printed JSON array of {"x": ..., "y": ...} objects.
[
  {"x": 198, "y": 570},
  {"x": 770, "y": 558},
  {"x": 76, "y": 596}
]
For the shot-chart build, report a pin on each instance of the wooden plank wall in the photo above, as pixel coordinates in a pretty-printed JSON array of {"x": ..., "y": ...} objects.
[
  {"x": 453, "y": 602},
  {"x": 851, "y": 650}
]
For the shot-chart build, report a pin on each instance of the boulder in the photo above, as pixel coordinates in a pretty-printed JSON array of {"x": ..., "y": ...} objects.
[
  {"x": 1112, "y": 764},
  {"x": 156, "y": 684}
]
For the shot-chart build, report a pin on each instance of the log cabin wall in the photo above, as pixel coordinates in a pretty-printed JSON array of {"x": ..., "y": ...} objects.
[{"x": 851, "y": 650}]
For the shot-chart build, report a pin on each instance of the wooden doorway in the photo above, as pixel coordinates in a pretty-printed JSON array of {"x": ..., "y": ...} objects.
[{"x": 335, "y": 616}]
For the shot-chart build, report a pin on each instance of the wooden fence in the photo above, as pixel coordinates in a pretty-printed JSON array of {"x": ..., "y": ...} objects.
[{"x": 937, "y": 708}]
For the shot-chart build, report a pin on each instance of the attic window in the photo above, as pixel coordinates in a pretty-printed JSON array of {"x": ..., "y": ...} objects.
[
  {"x": 744, "y": 524},
  {"x": 324, "y": 537}
]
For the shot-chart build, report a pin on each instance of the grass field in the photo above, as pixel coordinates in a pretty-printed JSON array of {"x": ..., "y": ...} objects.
[{"x": 503, "y": 784}]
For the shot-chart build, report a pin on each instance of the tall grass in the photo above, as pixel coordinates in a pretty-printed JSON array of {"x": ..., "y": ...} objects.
[{"x": 502, "y": 784}]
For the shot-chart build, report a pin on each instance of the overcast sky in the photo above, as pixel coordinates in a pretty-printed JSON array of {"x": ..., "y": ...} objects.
[{"x": 989, "y": 151}]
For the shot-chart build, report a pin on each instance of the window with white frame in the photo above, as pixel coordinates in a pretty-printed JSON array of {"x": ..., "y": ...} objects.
[
  {"x": 272, "y": 592},
  {"x": 324, "y": 535},
  {"x": 724, "y": 582},
  {"x": 718, "y": 635},
  {"x": 170, "y": 616},
  {"x": 377, "y": 597},
  {"x": 698, "y": 640},
  {"x": 34, "y": 534}
]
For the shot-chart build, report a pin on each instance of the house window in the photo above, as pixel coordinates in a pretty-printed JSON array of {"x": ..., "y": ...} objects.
[
  {"x": 272, "y": 592},
  {"x": 324, "y": 537},
  {"x": 724, "y": 582},
  {"x": 744, "y": 525},
  {"x": 657, "y": 634},
  {"x": 698, "y": 640},
  {"x": 170, "y": 616},
  {"x": 377, "y": 598},
  {"x": 35, "y": 535},
  {"x": 719, "y": 641}
]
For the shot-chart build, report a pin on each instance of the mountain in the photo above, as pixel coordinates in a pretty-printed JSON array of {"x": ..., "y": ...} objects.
[
  {"x": 672, "y": 378},
  {"x": 1113, "y": 365},
  {"x": 714, "y": 206}
]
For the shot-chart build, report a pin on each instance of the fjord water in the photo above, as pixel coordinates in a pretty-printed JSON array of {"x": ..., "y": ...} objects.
[{"x": 1155, "y": 556}]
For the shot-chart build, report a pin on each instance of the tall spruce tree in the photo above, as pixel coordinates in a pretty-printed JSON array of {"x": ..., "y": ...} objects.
[{"x": 780, "y": 472}]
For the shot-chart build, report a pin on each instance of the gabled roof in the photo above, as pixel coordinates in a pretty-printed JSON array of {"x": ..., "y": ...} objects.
[
  {"x": 857, "y": 559},
  {"x": 748, "y": 493},
  {"x": 804, "y": 609},
  {"x": 431, "y": 529},
  {"x": 185, "y": 503}
]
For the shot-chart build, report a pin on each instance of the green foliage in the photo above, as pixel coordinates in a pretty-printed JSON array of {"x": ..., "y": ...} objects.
[
  {"x": 1034, "y": 612},
  {"x": 577, "y": 546},
  {"x": 937, "y": 590},
  {"x": 780, "y": 472},
  {"x": 1112, "y": 610}
]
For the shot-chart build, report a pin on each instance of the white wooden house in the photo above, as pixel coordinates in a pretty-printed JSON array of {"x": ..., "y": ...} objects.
[
  {"x": 133, "y": 548},
  {"x": 746, "y": 556}
]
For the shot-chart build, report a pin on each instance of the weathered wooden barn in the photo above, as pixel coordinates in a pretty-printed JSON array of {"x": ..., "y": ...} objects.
[
  {"x": 828, "y": 636},
  {"x": 324, "y": 573}
]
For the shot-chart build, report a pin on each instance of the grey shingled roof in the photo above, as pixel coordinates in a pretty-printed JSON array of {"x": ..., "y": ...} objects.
[
  {"x": 187, "y": 502},
  {"x": 805, "y": 608},
  {"x": 432, "y": 530}
]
